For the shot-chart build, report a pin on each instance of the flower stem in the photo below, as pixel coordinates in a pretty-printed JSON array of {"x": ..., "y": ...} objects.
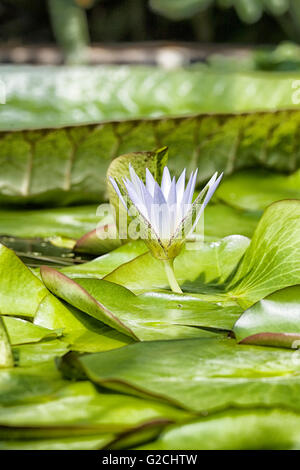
[{"x": 169, "y": 268}]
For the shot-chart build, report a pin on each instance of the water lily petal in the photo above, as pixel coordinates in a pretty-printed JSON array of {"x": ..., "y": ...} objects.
[
  {"x": 212, "y": 188},
  {"x": 166, "y": 182},
  {"x": 180, "y": 187},
  {"x": 150, "y": 182},
  {"x": 135, "y": 198},
  {"x": 116, "y": 188}
]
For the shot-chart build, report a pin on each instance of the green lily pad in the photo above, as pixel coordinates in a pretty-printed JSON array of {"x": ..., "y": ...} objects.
[
  {"x": 79, "y": 406},
  {"x": 148, "y": 316},
  {"x": 26, "y": 384},
  {"x": 200, "y": 267},
  {"x": 92, "y": 442},
  {"x": 272, "y": 261},
  {"x": 50, "y": 95},
  {"x": 221, "y": 220},
  {"x": 20, "y": 291},
  {"x": 6, "y": 357},
  {"x": 82, "y": 332},
  {"x": 198, "y": 374},
  {"x": 255, "y": 190},
  {"x": 212, "y": 142},
  {"x": 273, "y": 321},
  {"x": 66, "y": 288},
  {"x": 21, "y": 331},
  {"x": 103, "y": 265},
  {"x": 68, "y": 222},
  {"x": 44, "y": 351},
  {"x": 93, "y": 244},
  {"x": 253, "y": 429}
]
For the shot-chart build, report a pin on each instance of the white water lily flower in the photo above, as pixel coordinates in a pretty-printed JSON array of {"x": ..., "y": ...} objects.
[{"x": 167, "y": 213}]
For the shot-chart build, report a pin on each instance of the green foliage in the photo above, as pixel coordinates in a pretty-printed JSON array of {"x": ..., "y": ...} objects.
[
  {"x": 272, "y": 321},
  {"x": 249, "y": 11},
  {"x": 112, "y": 321},
  {"x": 80, "y": 155}
]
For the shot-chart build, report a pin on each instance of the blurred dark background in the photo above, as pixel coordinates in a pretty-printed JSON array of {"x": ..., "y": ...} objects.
[
  {"x": 28, "y": 22},
  {"x": 75, "y": 24}
]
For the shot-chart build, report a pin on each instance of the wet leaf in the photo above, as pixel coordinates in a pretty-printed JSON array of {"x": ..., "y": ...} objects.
[
  {"x": 258, "y": 429},
  {"x": 272, "y": 260},
  {"x": 148, "y": 316},
  {"x": 103, "y": 265},
  {"x": 273, "y": 321},
  {"x": 6, "y": 357},
  {"x": 81, "y": 407},
  {"x": 238, "y": 189},
  {"x": 200, "y": 267},
  {"x": 199, "y": 374},
  {"x": 21, "y": 331}
]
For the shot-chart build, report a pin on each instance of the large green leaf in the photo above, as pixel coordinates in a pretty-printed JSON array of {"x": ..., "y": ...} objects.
[
  {"x": 221, "y": 220},
  {"x": 100, "y": 267},
  {"x": 255, "y": 190},
  {"x": 65, "y": 288},
  {"x": 45, "y": 351},
  {"x": 258, "y": 429},
  {"x": 23, "y": 294},
  {"x": 39, "y": 96},
  {"x": 80, "y": 406},
  {"x": 65, "y": 165},
  {"x": 26, "y": 384},
  {"x": 20, "y": 291},
  {"x": 21, "y": 331},
  {"x": 81, "y": 155},
  {"x": 272, "y": 261},
  {"x": 198, "y": 374},
  {"x": 200, "y": 267},
  {"x": 82, "y": 332},
  {"x": 6, "y": 357},
  {"x": 72, "y": 222},
  {"x": 275, "y": 320},
  {"x": 146, "y": 317},
  {"x": 92, "y": 442},
  {"x": 77, "y": 410}
]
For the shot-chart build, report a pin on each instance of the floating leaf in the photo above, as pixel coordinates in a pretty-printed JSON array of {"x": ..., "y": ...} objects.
[
  {"x": 200, "y": 267},
  {"x": 272, "y": 260},
  {"x": 50, "y": 96},
  {"x": 66, "y": 288},
  {"x": 26, "y": 384},
  {"x": 146, "y": 317},
  {"x": 92, "y": 442},
  {"x": 255, "y": 190},
  {"x": 68, "y": 222},
  {"x": 6, "y": 357},
  {"x": 21, "y": 331},
  {"x": 94, "y": 244},
  {"x": 199, "y": 374},
  {"x": 44, "y": 351},
  {"x": 103, "y": 265},
  {"x": 258, "y": 429},
  {"x": 221, "y": 220},
  {"x": 217, "y": 143},
  {"x": 20, "y": 291},
  {"x": 273, "y": 321},
  {"x": 79, "y": 406}
]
